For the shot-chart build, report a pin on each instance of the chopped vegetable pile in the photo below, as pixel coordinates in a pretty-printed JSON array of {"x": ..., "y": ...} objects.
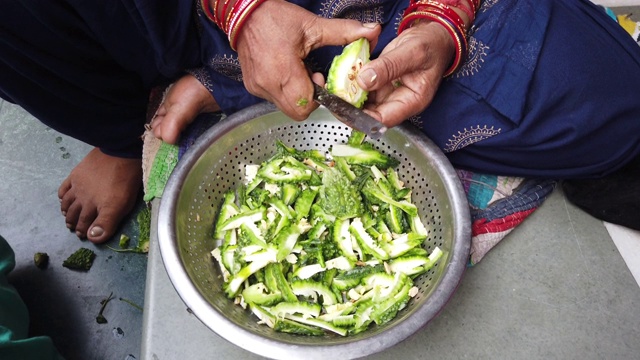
[{"x": 315, "y": 244}]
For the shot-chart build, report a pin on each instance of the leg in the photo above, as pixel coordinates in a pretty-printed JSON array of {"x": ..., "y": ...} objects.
[{"x": 87, "y": 76}]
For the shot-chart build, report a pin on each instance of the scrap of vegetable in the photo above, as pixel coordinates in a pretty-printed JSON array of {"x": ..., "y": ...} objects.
[
  {"x": 143, "y": 220},
  {"x": 41, "y": 260},
  {"x": 315, "y": 244},
  {"x": 100, "y": 319},
  {"x": 81, "y": 259}
]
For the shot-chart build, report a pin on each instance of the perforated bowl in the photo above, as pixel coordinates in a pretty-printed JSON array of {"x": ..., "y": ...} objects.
[{"x": 215, "y": 164}]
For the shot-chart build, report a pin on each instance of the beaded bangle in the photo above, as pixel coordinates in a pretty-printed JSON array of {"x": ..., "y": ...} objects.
[{"x": 454, "y": 31}]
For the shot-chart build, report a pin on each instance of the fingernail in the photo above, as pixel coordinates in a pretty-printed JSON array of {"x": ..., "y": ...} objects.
[
  {"x": 96, "y": 231},
  {"x": 368, "y": 76},
  {"x": 370, "y": 25}
]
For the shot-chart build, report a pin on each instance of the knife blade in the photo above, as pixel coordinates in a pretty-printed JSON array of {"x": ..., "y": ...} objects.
[{"x": 349, "y": 114}]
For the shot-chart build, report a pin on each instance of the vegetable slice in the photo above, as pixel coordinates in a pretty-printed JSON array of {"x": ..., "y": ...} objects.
[{"x": 341, "y": 79}]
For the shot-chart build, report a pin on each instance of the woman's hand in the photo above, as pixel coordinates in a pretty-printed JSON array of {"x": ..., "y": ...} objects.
[
  {"x": 405, "y": 77},
  {"x": 273, "y": 44}
]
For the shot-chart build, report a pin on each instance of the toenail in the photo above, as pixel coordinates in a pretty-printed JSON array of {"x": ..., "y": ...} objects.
[
  {"x": 69, "y": 226},
  {"x": 96, "y": 231},
  {"x": 64, "y": 213},
  {"x": 78, "y": 234}
]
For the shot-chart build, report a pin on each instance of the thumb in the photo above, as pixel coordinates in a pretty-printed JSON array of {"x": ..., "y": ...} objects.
[{"x": 343, "y": 31}]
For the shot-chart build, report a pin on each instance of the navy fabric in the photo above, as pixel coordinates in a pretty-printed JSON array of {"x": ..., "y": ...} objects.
[
  {"x": 548, "y": 89},
  {"x": 85, "y": 68}
]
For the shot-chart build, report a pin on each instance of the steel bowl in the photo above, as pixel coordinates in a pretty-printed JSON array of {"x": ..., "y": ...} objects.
[{"x": 215, "y": 164}]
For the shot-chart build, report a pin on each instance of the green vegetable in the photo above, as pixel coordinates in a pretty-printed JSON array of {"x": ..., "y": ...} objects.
[
  {"x": 143, "y": 220},
  {"x": 363, "y": 154},
  {"x": 81, "y": 259},
  {"x": 341, "y": 79},
  {"x": 144, "y": 227},
  {"x": 338, "y": 196},
  {"x": 315, "y": 245},
  {"x": 100, "y": 319},
  {"x": 41, "y": 259},
  {"x": 124, "y": 241}
]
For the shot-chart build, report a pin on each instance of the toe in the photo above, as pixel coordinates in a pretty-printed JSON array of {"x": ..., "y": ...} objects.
[
  {"x": 86, "y": 218},
  {"x": 64, "y": 188},
  {"x": 105, "y": 225},
  {"x": 72, "y": 214}
]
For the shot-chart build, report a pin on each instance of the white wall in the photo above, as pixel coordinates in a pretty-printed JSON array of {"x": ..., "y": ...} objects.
[{"x": 614, "y": 3}]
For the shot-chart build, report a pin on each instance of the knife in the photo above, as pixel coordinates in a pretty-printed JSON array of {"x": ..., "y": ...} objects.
[{"x": 349, "y": 114}]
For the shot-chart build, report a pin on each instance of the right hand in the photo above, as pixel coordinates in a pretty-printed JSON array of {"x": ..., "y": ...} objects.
[{"x": 273, "y": 44}]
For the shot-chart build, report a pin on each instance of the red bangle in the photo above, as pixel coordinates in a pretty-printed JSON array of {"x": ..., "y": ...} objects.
[
  {"x": 456, "y": 34},
  {"x": 460, "y": 5},
  {"x": 444, "y": 11},
  {"x": 241, "y": 14},
  {"x": 206, "y": 8}
]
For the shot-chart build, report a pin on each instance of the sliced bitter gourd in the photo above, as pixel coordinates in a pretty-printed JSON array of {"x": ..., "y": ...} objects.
[{"x": 341, "y": 80}]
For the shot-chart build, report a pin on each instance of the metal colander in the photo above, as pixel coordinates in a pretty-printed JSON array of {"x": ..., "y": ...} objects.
[{"x": 215, "y": 164}]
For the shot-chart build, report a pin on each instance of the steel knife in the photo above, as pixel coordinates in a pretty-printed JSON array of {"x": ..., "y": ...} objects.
[{"x": 349, "y": 114}]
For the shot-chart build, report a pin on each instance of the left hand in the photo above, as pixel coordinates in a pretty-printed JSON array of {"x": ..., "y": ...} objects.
[{"x": 405, "y": 77}]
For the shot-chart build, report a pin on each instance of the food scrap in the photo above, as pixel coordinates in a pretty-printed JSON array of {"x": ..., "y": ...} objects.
[
  {"x": 41, "y": 260},
  {"x": 82, "y": 259},
  {"x": 100, "y": 319}
]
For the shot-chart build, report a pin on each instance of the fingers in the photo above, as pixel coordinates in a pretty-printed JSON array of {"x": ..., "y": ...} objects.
[
  {"x": 398, "y": 106},
  {"x": 327, "y": 32},
  {"x": 389, "y": 67}
]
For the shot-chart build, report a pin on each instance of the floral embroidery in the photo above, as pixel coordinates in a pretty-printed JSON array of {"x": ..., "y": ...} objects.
[
  {"x": 397, "y": 20},
  {"x": 227, "y": 65},
  {"x": 473, "y": 63},
  {"x": 470, "y": 136},
  {"x": 361, "y": 10},
  {"x": 203, "y": 77}
]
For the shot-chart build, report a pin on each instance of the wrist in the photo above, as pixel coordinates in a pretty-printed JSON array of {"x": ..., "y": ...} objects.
[
  {"x": 452, "y": 15},
  {"x": 230, "y": 15}
]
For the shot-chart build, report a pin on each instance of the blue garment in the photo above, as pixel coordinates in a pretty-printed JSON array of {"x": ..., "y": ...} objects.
[
  {"x": 85, "y": 68},
  {"x": 548, "y": 89}
]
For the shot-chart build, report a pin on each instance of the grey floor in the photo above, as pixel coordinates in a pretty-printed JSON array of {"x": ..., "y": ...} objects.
[{"x": 34, "y": 160}]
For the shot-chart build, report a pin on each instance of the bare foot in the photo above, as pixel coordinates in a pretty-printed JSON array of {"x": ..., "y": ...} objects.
[
  {"x": 184, "y": 101},
  {"x": 100, "y": 191}
]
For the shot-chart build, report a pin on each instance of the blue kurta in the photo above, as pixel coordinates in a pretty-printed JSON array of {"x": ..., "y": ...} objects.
[{"x": 548, "y": 89}]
